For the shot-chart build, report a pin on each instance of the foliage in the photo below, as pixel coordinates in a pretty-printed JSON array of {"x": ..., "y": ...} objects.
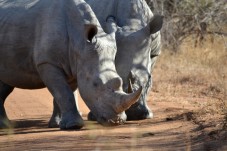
[
  {"x": 186, "y": 17},
  {"x": 196, "y": 31}
]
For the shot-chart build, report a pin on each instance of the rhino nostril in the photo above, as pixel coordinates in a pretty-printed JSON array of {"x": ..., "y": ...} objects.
[{"x": 95, "y": 84}]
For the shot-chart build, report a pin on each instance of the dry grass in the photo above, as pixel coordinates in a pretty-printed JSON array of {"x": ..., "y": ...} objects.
[{"x": 199, "y": 73}]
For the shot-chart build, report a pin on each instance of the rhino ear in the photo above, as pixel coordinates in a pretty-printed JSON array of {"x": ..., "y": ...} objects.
[
  {"x": 156, "y": 23},
  {"x": 90, "y": 31}
]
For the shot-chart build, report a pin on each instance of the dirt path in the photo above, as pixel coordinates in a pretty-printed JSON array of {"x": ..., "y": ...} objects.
[{"x": 171, "y": 129}]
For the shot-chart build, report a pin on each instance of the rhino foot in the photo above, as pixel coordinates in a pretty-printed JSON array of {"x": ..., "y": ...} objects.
[
  {"x": 72, "y": 125},
  {"x": 71, "y": 121},
  {"x": 91, "y": 117},
  {"x": 138, "y": 113},
  {"x": 54, "y": 122}
]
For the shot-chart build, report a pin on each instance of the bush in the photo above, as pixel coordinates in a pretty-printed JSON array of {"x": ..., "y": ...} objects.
[{"x": 187, "y": 17}]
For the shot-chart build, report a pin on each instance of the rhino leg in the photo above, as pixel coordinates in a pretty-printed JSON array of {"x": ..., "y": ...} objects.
[
  {"x": 91, "y": 117},
  {"x": 5, "y": 90},
  {"x": 55, "y": 80},
  {"x": 56, "y": 116}
]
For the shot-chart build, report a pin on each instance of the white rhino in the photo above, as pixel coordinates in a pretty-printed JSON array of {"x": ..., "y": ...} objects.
[
  {"x": 59, "y": 44},
  {"x": 138, "y": 46}
]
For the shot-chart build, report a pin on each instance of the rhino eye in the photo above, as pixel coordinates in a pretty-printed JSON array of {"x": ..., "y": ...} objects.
[
  {"x": 95, "y": 84},
  {"x": 149, "y": 77}
]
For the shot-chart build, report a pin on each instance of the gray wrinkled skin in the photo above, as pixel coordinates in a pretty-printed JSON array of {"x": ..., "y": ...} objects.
[
  {"x": 60, "y": 45},
  {"x": 138, "y": 46}
]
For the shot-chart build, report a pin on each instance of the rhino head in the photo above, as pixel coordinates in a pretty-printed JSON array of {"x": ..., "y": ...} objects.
[
  {"x": 92, "y": 64},
  {"x": 99, "y": 84},
  {"x": 137, "y": 48}
]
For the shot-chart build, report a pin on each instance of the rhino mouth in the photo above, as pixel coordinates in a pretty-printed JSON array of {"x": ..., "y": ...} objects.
[
  {"x": 119, "y": 120},
  {"x": 112, "y": 112},
  {"x": 111, "y": 122}
]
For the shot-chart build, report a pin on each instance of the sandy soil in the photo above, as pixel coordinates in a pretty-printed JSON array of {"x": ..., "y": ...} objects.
[{"x": 172, "y": 128}]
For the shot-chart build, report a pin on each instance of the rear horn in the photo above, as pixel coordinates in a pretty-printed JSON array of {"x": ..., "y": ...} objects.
[{"x": 130, "y": 90}]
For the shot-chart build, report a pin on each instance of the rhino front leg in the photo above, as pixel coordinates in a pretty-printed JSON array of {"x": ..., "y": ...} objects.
[
  {"x": 5, "y": 90},
  {"x": 55, "y": 80},
  {"x": 56, "y": 115}
]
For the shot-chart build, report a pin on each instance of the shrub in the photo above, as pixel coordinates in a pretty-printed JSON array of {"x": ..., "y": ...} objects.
[{"x": 187, "y": 17}]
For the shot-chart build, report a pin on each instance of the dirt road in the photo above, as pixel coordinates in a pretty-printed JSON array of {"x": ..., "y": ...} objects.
[{"x": 172, "y": 128}]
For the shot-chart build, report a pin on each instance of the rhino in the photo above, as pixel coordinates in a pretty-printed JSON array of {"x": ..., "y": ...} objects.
[
  {"x": 61, "y": 45},
  {"x": 138, "y": 47}
]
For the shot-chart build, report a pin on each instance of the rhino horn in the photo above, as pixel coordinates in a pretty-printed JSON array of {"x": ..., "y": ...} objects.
[
  {"x": 126, "y": 100},
  {"x": 131, "y": 76},
  {"x": 155, "y": 24},
  {"x": 131, "y": 79},
  {"x": 130, "y": 90}
]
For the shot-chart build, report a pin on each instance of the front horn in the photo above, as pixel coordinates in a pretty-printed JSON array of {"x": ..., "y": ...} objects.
[{"x": 126, "y": 100}]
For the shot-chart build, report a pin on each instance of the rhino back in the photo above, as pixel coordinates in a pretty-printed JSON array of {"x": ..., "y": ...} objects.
[
  {"x": 122, "y": 10},
  {"x": 24, "y": 25}
]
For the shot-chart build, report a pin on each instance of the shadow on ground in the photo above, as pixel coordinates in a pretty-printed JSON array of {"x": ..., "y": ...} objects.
[{"x": 170, "y": 133}]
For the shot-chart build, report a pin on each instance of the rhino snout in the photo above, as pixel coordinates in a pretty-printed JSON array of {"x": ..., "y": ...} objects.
[{"x": 119, "y": 120}]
